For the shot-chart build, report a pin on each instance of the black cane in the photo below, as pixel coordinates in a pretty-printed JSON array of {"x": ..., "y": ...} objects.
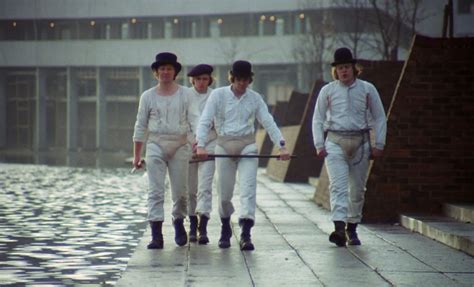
[{"x": 213, "y": 156}]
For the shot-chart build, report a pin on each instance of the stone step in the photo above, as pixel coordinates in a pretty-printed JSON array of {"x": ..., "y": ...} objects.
[
  {"x": 449, "y": 231},
  {"x": 459, "y": 211}
]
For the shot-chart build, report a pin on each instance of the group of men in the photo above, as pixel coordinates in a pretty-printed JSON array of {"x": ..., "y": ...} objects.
[{"x": 215, "y": 129}]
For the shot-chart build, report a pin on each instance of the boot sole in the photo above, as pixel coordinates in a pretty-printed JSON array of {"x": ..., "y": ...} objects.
[
  {"x": 353, "y": 242},
  {"x": 224, "y": 244},
  {"x": 337, "y": 239},
  {"x": 181, "y": 241},
  {"x": 247, "y": 247},
  {"x": 203, "y": 240},
  {"x": 155, "y": 245}
]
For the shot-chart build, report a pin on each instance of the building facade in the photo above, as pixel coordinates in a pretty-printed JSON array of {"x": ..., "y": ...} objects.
[{"x": 71, "y": 72}]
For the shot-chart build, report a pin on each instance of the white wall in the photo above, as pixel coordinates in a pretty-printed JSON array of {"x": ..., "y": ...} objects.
[{"x": 258, "y": 50}]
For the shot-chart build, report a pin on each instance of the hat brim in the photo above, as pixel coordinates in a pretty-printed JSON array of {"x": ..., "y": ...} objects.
[
  {"x": 239, "y": 75},
  {"x": 177, "y": 66},
  {"x": 353, "y": 61}
]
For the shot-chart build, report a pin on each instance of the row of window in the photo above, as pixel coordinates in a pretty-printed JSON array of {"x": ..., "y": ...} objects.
[
  {"x": 231, "y": 25},
  {"x": 155, "y": 28},
  {"x": 21, "y": 95}
]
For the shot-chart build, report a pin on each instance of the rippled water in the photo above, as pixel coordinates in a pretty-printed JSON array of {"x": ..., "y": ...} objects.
[{"x": 67, "y": 226}]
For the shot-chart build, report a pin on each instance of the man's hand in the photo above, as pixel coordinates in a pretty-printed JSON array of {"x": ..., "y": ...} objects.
[
  {"x": 138, "y": 162},
  {"x": 201, "y": 153},
  {"x": 284, "y": 155},
  {"x": 376, "y": 153},
  {"x": 322, "y": 153}
]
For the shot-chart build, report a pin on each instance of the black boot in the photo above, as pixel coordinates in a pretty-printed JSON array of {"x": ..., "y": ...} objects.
[
  {"x": 203, "y": 229},
  {"x": 193, "y": 228},
  {"x": 156, "y": 235},
  {"x": 180, "y": 236},
  {"x": 338, "y": 236},
  {"x": 351, "y": 234},
  {"x": 245, "y": 241},
  {"x": 226, "y": 233}
]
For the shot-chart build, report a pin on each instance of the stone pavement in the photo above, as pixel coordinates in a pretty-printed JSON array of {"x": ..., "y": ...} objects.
[{"x": 292, "y": 249}]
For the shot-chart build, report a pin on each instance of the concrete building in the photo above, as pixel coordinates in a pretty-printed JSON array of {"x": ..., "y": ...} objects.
[{"x": 71, "y": 72}]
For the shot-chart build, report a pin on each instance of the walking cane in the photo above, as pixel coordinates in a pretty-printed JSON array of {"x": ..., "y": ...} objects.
[{"x": 213, "y": 156}]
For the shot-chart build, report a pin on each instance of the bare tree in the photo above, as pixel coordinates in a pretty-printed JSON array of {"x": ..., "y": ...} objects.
[
  {"x": 396, "y": 22},
  {"x": 354, "y": 18},
  {"x": 381, "y": 26},
  {"x": 315, "y": 39}
]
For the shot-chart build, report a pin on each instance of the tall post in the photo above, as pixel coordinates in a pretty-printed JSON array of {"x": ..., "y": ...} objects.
[
  {"x": 142, "y": 83},
  {"x": 72, "y": 110},
  {"x": 101, "y": 116},
  {"x": 40, "y": 132},
  {"x": 3, "y": 110},
  {"x": 72, "y": 117},
  {"x": 101, "y": 111}
]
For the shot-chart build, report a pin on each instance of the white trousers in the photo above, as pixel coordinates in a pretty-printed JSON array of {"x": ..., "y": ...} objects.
[
  {"x": 347, "y": 178},
  {"x": 227, "y": 169},
  {"x": 177, "y": 168},
  {"x": 200, "y": 176}
]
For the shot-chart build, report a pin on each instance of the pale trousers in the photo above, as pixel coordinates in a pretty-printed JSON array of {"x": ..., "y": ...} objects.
[
  {"x": 177, "y": 168},
  {"x": 347, "y": 178},
  {"x": 227, "y": 169},
  {"x": 200, "y": 176}
]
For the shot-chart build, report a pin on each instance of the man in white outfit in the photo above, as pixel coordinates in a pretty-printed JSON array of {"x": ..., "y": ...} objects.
[
  {"x": 234, "y": 110},
  {"x": 163, "y": 114},
  {"x": 200, "y": 175},
  {"x": 346, "y": 109}
]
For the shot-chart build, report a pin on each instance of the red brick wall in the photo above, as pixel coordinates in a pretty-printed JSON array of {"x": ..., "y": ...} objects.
[{"x": 429, "y": 156}]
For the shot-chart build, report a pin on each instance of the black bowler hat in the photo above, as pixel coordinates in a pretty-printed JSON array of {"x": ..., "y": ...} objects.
[
  {"x": 200, "y": 69},
  {"x": 343, "y": 56},
  {"x": 166, "y": 58},
  {"x": 241, "y": 69}
]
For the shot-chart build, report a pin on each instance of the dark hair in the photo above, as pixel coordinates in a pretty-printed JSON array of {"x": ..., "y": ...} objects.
[
  {"x": 355, "y": 67},
  {"x": 232, "y": 78}
]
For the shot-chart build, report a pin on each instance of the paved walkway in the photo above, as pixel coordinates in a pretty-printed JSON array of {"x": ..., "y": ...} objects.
[{"x": 292, "y": 249}]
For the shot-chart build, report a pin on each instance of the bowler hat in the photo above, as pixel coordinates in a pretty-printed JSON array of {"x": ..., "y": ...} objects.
[
  {"x": 343, "y": 56},
  {"x": 241, "y": 69},
  {"x": 166, "y": 58},
  {"x": 200, "y": 69}
]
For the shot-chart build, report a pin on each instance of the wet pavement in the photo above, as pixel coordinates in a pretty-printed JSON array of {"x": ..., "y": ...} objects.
[
  {"x": 67, "y": 226},
  {"x": 292, "y": 249}
]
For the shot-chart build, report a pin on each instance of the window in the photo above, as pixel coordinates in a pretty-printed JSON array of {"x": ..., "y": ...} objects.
[
  {"x": 466, "y": 6},
  {"x": 121, "y": 82},
  {"x": 17, "y": 30}
]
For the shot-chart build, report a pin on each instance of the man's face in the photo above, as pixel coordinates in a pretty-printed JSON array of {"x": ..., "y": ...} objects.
[
  {"x": 165, "y": 73},
  {"x": 345, "y": 73},
  {"x": 240, "y": 85},
  {"x": 201, "y": 83}
]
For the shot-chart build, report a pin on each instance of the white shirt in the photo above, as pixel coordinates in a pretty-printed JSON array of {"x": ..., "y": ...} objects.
[
  {"x": 197, "y": 102},
  {"x": 348, "y": 108},
  {"x": 162, "y": 114},
  {"x": 235, "y": 116}
]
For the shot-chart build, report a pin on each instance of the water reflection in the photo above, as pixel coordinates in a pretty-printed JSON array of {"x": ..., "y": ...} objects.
[{"x": 68, "y": 226}]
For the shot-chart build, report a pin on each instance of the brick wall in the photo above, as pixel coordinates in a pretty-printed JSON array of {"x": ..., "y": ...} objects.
[{"x": 429, "y": 156}]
